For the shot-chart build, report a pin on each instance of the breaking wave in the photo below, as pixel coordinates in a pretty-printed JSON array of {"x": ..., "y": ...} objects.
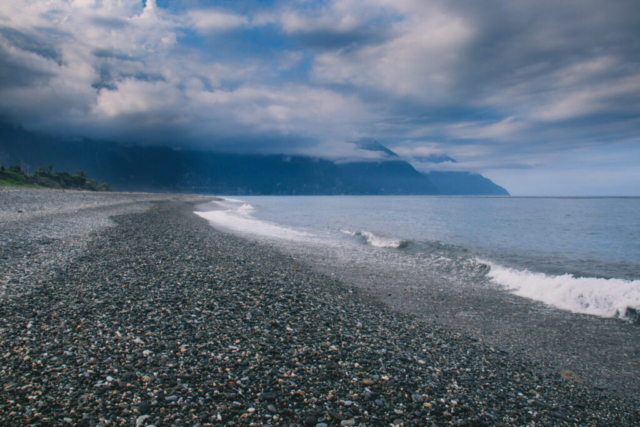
[
  {"x": 377, "y": 240},
  {"x": 588, "y": 295},
  {"x": 246, "y": 209},
  {"x": 446, "y": 262},
  {"x": 240, "y": 220}
]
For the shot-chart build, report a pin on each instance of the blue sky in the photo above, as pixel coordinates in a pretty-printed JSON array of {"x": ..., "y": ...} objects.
[{"x": 541, "y": 96}]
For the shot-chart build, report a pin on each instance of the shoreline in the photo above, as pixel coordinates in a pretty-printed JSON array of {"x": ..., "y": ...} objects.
[
  {"x": 602, "y": 351},
  {"x": 164, "y": 320}
]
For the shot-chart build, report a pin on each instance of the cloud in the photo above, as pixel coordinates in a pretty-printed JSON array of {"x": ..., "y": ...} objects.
[
  {"x": 621, "y": 96},
  {"x": 289, "y": 59},
  {"x": 499, "y": 131},
  {"x": 414, "y": 62},
  {"x": 497, "y": 85},
  {"x": 296, "y": 109},
  {"x": 208, "y": 21},
  {"x": 335, "y": 24},
  {"x": 133, "y": 79}
]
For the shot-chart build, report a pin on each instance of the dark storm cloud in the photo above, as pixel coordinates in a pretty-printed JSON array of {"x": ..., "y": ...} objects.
[
  {"x": 14, "y": 73},
  {"x": 30, "y": 43},
  {"x": 541, "y": 52}
]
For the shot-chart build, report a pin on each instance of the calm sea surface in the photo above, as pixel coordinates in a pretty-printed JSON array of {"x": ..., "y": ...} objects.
[{"x": 578, "y": 254}]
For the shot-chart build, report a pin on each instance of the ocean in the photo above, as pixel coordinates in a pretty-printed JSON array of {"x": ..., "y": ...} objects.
[{"x": 575, "y": 254}]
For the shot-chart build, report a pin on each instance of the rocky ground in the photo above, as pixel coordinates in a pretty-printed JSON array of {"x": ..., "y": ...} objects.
[{"x": 162, "y": 320}]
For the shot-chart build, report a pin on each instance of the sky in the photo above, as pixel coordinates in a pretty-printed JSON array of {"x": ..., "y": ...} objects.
[{"x": 541, "y": 96}]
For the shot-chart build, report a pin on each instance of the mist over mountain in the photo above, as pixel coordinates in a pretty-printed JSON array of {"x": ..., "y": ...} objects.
[
  {"x": 370, "y": 144},
  {"x": 435, "y": 158},
  {"x": 163, "y": 169}
]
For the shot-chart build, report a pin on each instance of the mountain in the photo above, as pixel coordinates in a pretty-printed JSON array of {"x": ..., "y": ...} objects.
[
  {"x": 370, "y": 144},
  {"x": 464, "y": 184},
  {"x": 139, "y": 168},
  {"x": 459, "y": 183},
  {"x": 154, "y": 169},
  {"x": 386, "y": 177}
]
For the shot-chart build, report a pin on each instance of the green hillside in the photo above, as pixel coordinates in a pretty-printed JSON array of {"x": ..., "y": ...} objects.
[{"x": 44, "y": 177}]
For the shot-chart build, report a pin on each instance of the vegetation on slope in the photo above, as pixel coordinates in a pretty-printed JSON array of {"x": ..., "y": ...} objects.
[{"x": 45, "y": 177}]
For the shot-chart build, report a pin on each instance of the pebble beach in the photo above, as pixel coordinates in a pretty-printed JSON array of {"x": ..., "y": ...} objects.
[{"x": 128, "y": 309}]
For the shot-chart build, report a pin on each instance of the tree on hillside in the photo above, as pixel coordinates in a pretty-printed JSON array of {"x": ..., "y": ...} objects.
[
  {"x": 44, "y": 171},
  {"x": 104, "y": 186}
]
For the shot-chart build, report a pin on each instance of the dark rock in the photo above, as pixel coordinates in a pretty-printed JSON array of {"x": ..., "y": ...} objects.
[
  {"x": 268, "y": 395},
  {"x": 335, "y": 415}
]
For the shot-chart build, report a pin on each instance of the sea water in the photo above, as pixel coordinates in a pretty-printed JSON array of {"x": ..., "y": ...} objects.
[{"x": 576, "y": 254}]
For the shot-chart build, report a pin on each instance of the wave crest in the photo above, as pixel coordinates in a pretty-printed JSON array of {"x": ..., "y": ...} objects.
[
  {"x": 588, "y": 295},
  {"x": 377, "y": 240},
  {"x": 246, "y": 209}
]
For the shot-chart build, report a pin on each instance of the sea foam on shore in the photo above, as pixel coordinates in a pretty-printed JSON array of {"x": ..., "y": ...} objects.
[
  {"x": 588, "y": 295},
  {"x": 239, "y": 220}
]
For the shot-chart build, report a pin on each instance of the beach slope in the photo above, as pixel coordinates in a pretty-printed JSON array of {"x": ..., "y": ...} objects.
[{"x": 137, "y": 312}]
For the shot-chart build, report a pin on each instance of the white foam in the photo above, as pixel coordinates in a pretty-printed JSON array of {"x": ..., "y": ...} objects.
[
  {"x": 240, "y": 220},
  {"x": 589, "y": 295},
  {"x": 232, "y": 200},
  {"x": 381, "y": 241},
  {"x": 246, "y": 209},
  {"x": 376, "y": 240}
]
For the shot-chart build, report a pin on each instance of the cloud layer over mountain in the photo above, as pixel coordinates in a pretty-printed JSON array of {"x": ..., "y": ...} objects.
[{"x": 510, "y": 89}]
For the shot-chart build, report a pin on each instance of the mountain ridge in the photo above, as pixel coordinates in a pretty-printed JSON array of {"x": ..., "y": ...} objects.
[{"x": 163, "y": 169}]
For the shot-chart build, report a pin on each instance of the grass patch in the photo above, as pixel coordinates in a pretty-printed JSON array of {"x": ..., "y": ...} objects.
[
  {"x": 11, "y": 183},
  {"x": 46, "y": 178}
]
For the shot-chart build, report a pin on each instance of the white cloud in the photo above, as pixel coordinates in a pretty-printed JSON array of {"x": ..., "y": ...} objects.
[
  {"x": 580, "y": 101},
  {"x": 423, "y": 149},
  {"x": 214, "y": 20},
  {"x": 135, "y": 97},
  {"x": 289, "y": 109},
  {"x": 415, "y": 62},
  {"x": 336, "y": 16},
  {"x": 297, "y": 22},
  {"x": 502, "y": 130},
  {"x": 121, "y": 73}
]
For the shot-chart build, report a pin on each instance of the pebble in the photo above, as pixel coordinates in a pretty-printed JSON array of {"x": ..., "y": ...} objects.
[
  {"x": 141, "y": 420},
  {"x": 148, "y": 318},
  {"x": 417, "y": 398}
]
